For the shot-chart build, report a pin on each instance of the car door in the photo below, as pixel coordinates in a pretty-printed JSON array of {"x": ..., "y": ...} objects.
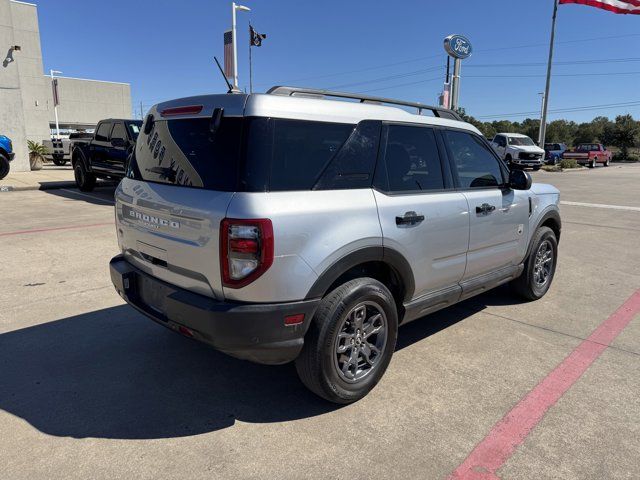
[
  {"x": 498, "y": 215},
  {"x": 118, "y": 148},
  {"x": 99, "y": 147},
  {"x": 422, "y": 217}
]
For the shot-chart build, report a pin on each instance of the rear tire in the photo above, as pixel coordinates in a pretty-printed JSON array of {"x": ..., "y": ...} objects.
[
  {"x": 593, "y": 163},
  {"x": 5, "y": 166},
  {"x": 59, "y": 160},
  {"x": 607, "y": 162},
  {"x": 350, "y": 341},
  {"x": 86, "y": 181},
  {"x": 539, "y": 267}
]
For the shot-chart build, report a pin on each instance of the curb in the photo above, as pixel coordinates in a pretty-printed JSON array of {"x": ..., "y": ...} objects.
[{"x": 42, "y": 186}]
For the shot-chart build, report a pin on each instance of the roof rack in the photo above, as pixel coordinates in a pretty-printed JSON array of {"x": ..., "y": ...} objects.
[{"x": 312, "y": 92}]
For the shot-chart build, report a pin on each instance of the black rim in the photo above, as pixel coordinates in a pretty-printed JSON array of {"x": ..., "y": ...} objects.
[
  {"x": 361, "y": 341},
  {"x": 543, "y": 264}
]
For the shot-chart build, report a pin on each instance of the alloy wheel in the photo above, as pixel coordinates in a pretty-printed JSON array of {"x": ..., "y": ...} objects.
[
  {"x": 543, "y": 263},
  {"x": 361, "y": 341}
]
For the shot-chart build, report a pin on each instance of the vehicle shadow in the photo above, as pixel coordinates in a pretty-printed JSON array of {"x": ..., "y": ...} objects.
[
  {"x": 112, "y": 373},
  {"x": 102, "y": 195}
]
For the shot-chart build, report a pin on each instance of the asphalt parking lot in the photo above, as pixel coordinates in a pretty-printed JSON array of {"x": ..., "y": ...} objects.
[{"x": 491, "y": 388}]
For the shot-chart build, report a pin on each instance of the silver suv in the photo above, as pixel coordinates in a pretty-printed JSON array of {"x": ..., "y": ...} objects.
[{"x": 308, "y": 225}]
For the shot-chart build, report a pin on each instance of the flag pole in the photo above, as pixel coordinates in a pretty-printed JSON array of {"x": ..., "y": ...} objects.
[
  {"x": 545, "y": 103},
  {"x": 250, "y": 60}
]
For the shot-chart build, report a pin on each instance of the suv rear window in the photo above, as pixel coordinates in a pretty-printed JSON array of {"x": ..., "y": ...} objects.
[
  {"x": 185, "y": 152},
  {"x": 256, "y": 154}
]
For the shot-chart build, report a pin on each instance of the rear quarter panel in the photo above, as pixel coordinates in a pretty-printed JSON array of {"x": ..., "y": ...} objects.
[{"x": 312, "y": 230}]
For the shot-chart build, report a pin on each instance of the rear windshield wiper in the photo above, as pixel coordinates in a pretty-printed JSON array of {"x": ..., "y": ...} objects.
[
  {"x": 214, "y": 124},
  {"x": 164, "y": 172}
]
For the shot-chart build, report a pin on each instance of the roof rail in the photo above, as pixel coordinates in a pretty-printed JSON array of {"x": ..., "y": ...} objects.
[{"x": 312, "y": 92}]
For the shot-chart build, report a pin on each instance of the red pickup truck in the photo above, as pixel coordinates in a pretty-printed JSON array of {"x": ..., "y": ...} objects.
[{"x": 590, "y": 154}]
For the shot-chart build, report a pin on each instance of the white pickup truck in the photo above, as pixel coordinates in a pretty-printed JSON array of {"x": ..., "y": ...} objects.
[{"x": 518, "y": 150}]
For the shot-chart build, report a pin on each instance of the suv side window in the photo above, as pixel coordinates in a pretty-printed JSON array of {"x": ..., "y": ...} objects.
[
  {"x": 474, "y": 163},
  {"x": 301, "y": 150},
  {"x": 119, "y": 132},
  {"x": 412, "y": 159},
  {"x": 354, "y": 164},
  {"x": 102, "y": 134}
]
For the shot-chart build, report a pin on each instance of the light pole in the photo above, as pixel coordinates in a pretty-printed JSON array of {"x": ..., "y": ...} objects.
[
  {"x": 242, "y": 8},
  {"x": 54, "y": 89},
  {"x": 542, "y": 119}
]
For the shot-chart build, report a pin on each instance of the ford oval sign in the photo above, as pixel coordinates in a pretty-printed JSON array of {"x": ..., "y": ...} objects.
[{"x": 458, "y": 46}]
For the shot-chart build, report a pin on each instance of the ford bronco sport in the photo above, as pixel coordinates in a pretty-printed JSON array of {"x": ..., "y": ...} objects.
[{"x": 299, "y": 225}]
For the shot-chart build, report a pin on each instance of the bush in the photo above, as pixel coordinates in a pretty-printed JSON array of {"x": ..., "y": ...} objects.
[
  {"x": 620, "y": 157},
  {"x": 568, "y": 163}
]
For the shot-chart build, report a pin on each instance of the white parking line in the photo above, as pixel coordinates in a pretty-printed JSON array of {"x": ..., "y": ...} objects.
[{"x": 601, "y": 205}]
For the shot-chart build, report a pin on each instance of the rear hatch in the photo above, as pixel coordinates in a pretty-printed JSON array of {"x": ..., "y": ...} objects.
[{"x": 179, "y": 184}]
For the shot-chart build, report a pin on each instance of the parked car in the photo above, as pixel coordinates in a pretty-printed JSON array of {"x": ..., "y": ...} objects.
[
  {"x": 590, "y": 154},
  {"x": 288, "y": 226},
  {"x": 518, "y": 150},
  {"x": 6, "y": 155},
  {"x": 58, "y": 150},
  {"x": 553, "y": 152},
  {"x": 105, "y": 153}
]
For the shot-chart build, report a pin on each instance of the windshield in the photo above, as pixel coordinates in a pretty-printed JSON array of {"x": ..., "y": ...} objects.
[
  {"x": 520, "y": 141},
  {"x": 134, "y": 128},
  {"x": 588, "y": 147}
]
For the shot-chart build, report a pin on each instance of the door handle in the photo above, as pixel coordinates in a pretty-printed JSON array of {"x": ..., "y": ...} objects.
[
  {"x": 409, "y": 218},
  {"x": 485, "y": 208}
]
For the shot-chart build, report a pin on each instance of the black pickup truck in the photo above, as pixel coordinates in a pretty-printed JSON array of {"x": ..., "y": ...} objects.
[{"x": 105, "y": 154}]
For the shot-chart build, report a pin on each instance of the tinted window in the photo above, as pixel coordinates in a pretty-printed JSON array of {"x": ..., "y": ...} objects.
[
  {"x": 119, "y": 131},
  {"x": 185, "y": 152},
  {"x": 302, "y": 150},
  {"x": 475, "y": 164},
  {"x": 412, "y": 159},
  {"x": 102, "y": 135},
  {"x": 354, "y": 164},
  {"x": 134, "y": 129}
]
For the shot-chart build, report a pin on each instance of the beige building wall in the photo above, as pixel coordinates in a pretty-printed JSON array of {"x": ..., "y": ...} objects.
[{"x": 26, "y": 99}]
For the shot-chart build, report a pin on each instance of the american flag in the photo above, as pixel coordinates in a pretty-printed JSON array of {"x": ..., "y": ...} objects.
[
  {"x": 615, "y": 6},
  {"x": 228, "y": 54}
]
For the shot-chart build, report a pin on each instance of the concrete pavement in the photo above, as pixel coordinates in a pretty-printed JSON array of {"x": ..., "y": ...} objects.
[{"x": 91, "y": 389}]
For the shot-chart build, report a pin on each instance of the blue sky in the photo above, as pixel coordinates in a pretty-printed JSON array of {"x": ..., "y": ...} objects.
[{"x": 165, "y": 50}]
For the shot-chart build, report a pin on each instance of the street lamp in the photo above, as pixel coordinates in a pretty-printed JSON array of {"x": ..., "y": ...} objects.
[
  {"x": 541, "y": 132},
  {"x": 242, "y": 8},
  {"x": 54, "y": 88}
]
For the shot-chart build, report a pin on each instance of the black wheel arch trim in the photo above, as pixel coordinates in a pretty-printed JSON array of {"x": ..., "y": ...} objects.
[
  {"x": 549, "y": 214},
  {"x": 387, "y": 255},
  {"x": 78, "y": 155}
]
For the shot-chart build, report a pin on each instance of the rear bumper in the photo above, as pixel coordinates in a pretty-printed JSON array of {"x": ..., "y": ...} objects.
[{"x": 254, "y": 332}]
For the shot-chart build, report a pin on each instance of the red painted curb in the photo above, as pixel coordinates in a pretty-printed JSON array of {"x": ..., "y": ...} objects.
[
  {"x": 510, "y": 432},
  {"x": 52, "y": 229}
]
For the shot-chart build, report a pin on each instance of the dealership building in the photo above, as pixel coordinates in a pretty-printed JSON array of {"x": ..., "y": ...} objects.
[{"x": 26, "y": 94}]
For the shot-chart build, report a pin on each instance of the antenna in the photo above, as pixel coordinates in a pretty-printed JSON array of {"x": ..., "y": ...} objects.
[{"x": 231, "y": 90}]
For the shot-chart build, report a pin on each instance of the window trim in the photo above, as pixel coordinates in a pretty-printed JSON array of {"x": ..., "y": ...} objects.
[
  {"x": 454, "y": 168},
  {"x": 108, "y": 137},
  {"x": 126, "y": 134},
  {"x": 381, "y": 162}
]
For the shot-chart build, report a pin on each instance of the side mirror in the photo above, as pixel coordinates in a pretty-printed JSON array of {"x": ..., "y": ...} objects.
[
  {"x": 519, "y": 180},
  {"x": 118, "y": 142}
]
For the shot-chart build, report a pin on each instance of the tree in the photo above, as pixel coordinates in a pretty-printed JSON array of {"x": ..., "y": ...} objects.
[
  {"x": 625, "y": 133},
  {"x": 561, "y": 131}
]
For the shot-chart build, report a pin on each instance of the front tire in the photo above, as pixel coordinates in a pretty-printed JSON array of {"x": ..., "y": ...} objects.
[
  {"x": 86, "y": 181},
  {"x": 350, "y": 341},
  {"x": 593, "y": 163},
  {"x": 539, "y": 267},
  {"x": 607, "y": 162}
]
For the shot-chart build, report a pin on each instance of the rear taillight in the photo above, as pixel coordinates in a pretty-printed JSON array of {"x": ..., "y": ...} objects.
[{"x": 246, "y": 250}]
